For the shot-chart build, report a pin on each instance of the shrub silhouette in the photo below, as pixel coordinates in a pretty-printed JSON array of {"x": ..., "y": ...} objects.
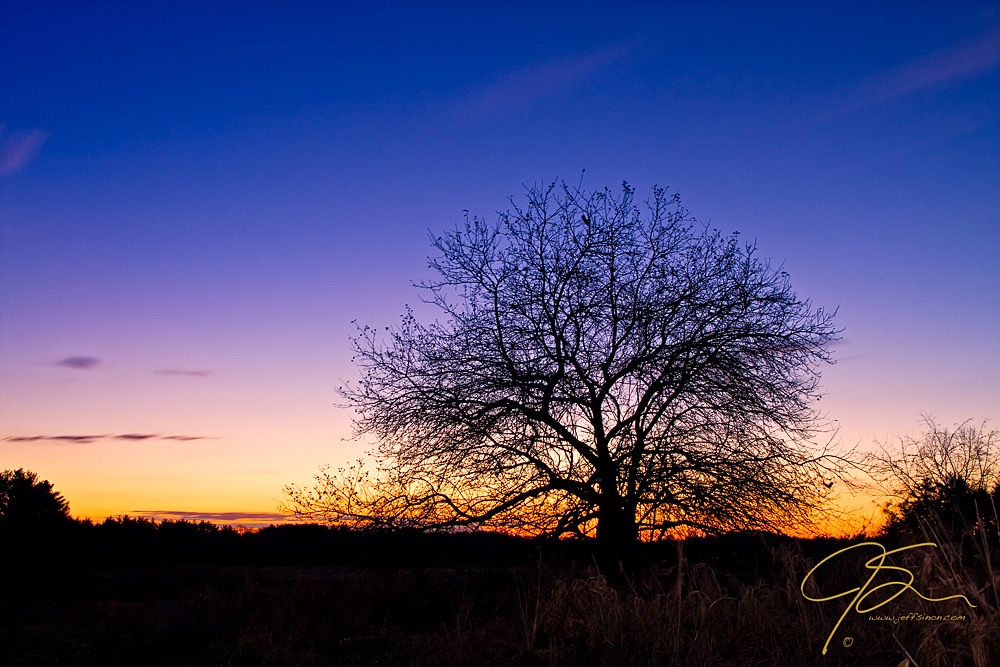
[{"x": 950, "y": 476}]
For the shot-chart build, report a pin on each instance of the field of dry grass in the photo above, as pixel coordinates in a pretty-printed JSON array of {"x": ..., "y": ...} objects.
[{"x": 692, "y": 608}]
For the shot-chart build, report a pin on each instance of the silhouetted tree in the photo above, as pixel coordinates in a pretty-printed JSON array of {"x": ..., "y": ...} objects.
[
  {"x": 601, "y": 369},
  {"x": 949, "y": 475},
  {"x": 35, "y": 528},
  {"x": 27, "y": 502}
]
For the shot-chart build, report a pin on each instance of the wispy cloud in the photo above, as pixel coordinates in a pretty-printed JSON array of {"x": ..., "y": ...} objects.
[
  {"x": 85, "y": 439},
  {"x": 183, "y": 372},
  {"x": 958, "y": 62},
  {"x": 88, "y": 439},
  {"x": 80, "y": 363},
  {"x": 18, "y": 148},
  {"x": 521, "y": 88}
]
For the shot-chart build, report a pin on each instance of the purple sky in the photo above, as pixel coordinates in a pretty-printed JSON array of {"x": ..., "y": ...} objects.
[{"x": 196, "y": 200}]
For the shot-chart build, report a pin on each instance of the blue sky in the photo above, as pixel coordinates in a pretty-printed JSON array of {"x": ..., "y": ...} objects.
[{"x": 197, "y": 199}]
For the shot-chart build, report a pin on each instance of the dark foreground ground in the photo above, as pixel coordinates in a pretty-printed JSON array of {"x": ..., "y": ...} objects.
[{"x": 735, "y": 601}]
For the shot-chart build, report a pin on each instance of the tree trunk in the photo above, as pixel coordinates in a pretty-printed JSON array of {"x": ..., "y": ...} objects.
[{"x": 617, "y": 542}]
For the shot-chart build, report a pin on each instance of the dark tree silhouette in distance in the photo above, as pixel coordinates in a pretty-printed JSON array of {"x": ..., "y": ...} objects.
[
  {"x": 34, "y": 528},
  {"x": 600, "y": 368},
  {"x": 26, "y": 502}
]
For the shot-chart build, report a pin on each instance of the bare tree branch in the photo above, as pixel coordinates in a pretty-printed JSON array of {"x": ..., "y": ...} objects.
[{"x": 600, "y": 368}]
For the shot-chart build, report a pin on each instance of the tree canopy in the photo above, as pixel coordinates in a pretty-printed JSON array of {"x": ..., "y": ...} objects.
[
  {"x": 599, "y": 367},
  {"x": 29, "y": 502},
  {"x": 946, "y": 475}
]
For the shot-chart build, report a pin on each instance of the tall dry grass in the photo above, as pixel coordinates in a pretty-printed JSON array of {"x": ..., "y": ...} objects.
[
  {"x": 688, "y": 614},
  {"x": 967, "y": 562},
  {"x": 689, "y": 610},
  {"x": 691, "y": 614}
]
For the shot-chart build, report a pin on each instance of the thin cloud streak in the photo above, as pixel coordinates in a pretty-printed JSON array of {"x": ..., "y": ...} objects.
[
  {"x": 962, "y": 61},
  {"x": 80, "y": 363},
  {"x": 84, "y": 439},
  {"x": 90, "y": 439},
  {"x": 183, "y": 372},
  {"x": 17, "y": 149},
  {"x": 519, "y": 89}
]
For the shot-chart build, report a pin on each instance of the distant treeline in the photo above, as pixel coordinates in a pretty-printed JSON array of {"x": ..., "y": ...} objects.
[{"x": 133, "y": 542}]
